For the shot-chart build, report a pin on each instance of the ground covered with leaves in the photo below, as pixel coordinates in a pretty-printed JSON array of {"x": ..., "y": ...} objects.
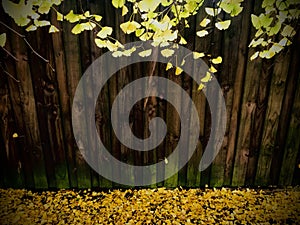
[{"x": 151, "y": 206}]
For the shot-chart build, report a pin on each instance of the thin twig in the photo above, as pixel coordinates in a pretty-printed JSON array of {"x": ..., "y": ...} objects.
[
  {"x": 9, "y": 75},
  {"x": 27, "y": 43},
  {"x": 11, "y": 55}
]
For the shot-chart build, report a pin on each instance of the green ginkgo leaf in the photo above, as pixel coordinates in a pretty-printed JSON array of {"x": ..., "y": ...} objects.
[
  {"x": 223, "y": 25},
  {"x": 288, "y": 31},
  {"x": 104, "y": 32},
  {"x": 97, "y": 18},
  {"x": 2, "y": 40}
]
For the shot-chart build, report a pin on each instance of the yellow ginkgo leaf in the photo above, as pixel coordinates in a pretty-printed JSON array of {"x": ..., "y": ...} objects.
[
  {"x": 118, "y": 3},
  {"x": 77, "y": 29},
  {"x": 71, "y": 17},
  {"x": 223, "y": 25},
  {"x": 212, "y": 11},
  {"x": 182, "y": 41},
  {"x": 31, "y": 28},
  {"x": 53, "y": 29},
  {"x": 41, "y": 23},
  {"x": 124, "y": 10},
  {"x": 117, "y": 54},
  {"x": 104, "y": 32},
  {"x": 2, "y": 39},
  {"x": 59, "y": 16},
  {"x": 129, "y": 26},
  {"x": 128, "y": 52},
  {"x": 207, "y": 77},
  {"x": 88, "y": 26},
  {"x": 197, "y": 55},
  {"x": 201, "y": 86},
  {"x": 169, "y": 66},
  {"x": 178, "y": 71},
  {"x": 148, "y": 5},
  {"x": 204, "y": 22},
  {"x": 167, "y": 52},
  {"x": 100, "y": 43},
  {"x": 202, "y": 33},
  {"x": 145, "y": 53},
  {"x": 212, "y": 69},
  {"x": 97, "y": 17},
  {"x": 15, "y": 135},
  {"x": 217, "y": 60},
  {"x": 254, "y": 56}
]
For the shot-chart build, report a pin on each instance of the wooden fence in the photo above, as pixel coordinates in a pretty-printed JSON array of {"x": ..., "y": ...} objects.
[{"x": 37, "y": 147}]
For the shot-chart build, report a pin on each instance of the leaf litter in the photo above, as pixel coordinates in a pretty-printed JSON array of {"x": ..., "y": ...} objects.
[{"x": 159, "y": 206}]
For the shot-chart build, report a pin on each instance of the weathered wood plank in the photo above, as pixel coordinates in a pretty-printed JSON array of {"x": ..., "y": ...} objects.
[
  {"x": 268, "y": 144},
  {"x": 30, "y": 118},
  {"x": 74, "y": 72}
]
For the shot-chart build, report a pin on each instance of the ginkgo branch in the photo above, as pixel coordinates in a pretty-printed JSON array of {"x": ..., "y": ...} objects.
[{"x": 28, "y": 44}]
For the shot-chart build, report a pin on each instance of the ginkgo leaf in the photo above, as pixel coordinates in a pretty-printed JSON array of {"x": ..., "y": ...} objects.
[
  {"x": 71, "y": 17},
  {"x": 148, "y": 5},
  {"x": 2, "y": 40},
  {"x": 288, "y": 31},
  {"x": 212, "y": 69},
  {"x": 254, "y": 56},
  {"x": 167, "y": 52},
  {"x": 202, "y": 33},
  {"x": 129, "y": 26},
  {"x": 145, "y": 53},
  {"x": 275, "y": 29},
  {"x": 59, "y": 16},
  {"x": 197, "y": 55},
  {"x": 223, "y": 25},
  {"x": 204, "y": 22},
  {"x": 178, "y": 71},
  {"x": 182, "y": 62},
  {"x": 53, "y": 29},
  {"x": 169, "y": 66},
  {"x": 124, "y": 10},
  {"x": 255, "y": 43},
  {"x": 139, "y": 32},
  {"x": 87, "y": 14},
  {"x": 255, "y": 21},
  {"x": 77, "y": 29},
  {"x": 88, "y": 26},
  {"x": 182, "y": 41},
  {"x": 276, "y": 48},
  {"x": 212, "y": 11},
  {"x": 41, "y": 23},
  {"x": 207, "y": 77},
  {"x": 128, "y": 52},
  {"x": 266, "y": 54},
  {"x": 118, "y": 3},
  {"x": 217, "y": 60},
  {"x": 15, "y": 135},
  {"x": 97, "y": 17},
  {"x": 104, "y": 32},
  {"x": 31, "y": 28},
  {"x": 117, "y": 54},
  {"x": 45, "y": 6},
  {"x": 284, "y": 42},
  {"x": 100, "y": 43},
  {"x": 201, "y": 86}
]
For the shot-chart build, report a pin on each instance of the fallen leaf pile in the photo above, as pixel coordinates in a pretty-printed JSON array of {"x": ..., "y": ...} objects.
[{"x": 151, "y": 206}]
